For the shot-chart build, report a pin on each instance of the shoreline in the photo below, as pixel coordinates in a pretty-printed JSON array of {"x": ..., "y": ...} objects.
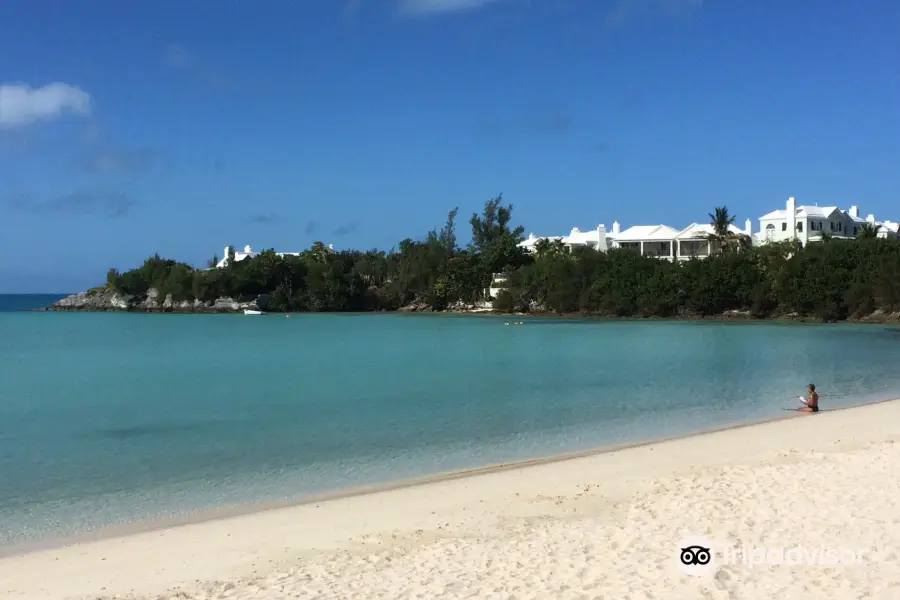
[
  {"x": 600, "y": 525},
  {"x": 729, "y": 317},
  {"x": 231, "y": 511}
]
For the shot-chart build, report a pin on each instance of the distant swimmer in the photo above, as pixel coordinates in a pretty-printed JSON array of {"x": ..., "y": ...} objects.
[{"x": 811, "y": 401}]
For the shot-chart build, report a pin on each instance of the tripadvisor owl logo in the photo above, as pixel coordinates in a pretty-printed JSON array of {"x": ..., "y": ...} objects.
[
  {"x": 698, "y": 557},
  {"x": 695, "y": 556}
]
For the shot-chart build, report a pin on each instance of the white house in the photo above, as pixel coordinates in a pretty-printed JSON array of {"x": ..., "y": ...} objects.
[
  {"x": 650, "y": 240},
  {"x": 809, "y": 223},
  {"x": 857, "y": 221},
  {"x": 592, "y": 238},
  {"x": 886, "y": 229},
  {"x": 248, "y": 252},
  {"x": 498, "y": 283},
  {"x": 693, "y": 241},
  {"x": 889, "y": 229},
  {"x": 530, "y": 243},
  {"x": 659, "y": 241}
]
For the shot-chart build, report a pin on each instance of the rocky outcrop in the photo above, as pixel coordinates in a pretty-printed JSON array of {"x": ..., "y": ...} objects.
[
  {"x": 416, "y": 306},
  {"x": 96, "y": 299},
  {"x": 103, "y": 299},
  {"x": 881, "y": 316},
  {"x": 468, "y": 307},
  {"x": 453, "y": 307}
]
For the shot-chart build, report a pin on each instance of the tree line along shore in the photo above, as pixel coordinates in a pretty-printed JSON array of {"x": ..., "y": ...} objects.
[{"x": 830, "y": 281}]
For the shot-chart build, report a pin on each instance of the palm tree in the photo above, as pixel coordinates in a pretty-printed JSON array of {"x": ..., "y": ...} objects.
[
  {"x": 545, "y": 248},
  {"x": 722, "y": 236},
  {"x": 868, "y": 231}
]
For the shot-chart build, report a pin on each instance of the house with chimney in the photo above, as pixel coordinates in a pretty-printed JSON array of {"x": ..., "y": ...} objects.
[
  {"x": 805, "y": 223},
  {"x": 658, "y": 241},
  {"x": 249, "y": 252}
]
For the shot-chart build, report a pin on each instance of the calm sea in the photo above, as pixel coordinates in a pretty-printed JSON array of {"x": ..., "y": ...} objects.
[
  {"x": 15, "y": 302},
  {"x": 108, "y": 418}
]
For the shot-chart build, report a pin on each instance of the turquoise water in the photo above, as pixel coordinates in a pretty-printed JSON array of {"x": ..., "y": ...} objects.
[{"x": 108, "y": 418}]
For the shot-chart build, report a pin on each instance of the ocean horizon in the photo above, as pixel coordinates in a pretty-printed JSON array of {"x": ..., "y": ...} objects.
[
  {"x": 114, "y": 418},
  {"x": 19, "y": 302}
]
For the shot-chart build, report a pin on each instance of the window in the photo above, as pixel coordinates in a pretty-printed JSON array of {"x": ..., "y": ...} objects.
[
  {"x": 800, "y": 226},
  {"x": 784, "y": 226}
]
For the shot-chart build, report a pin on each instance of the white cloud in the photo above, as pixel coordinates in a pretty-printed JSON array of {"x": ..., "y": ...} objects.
[
  {"x": 21, "y": 104},
  {"x": 430, "y": 7}
]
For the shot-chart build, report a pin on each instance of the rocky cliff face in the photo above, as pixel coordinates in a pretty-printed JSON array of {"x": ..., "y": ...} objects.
[{"x": 103, "y": 299}]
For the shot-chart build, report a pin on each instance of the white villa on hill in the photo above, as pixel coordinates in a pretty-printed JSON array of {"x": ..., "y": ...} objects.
[
  {"x": 808, "y": 223},
  {"x": 592, "y": 238},
  {"x": 660, "y": 241},
  {"x": 694, "y": 240},
  {"x": 650, "y": 240},
  {"x": 248, "y": 252},
  {"x": 889, "y": 229}
]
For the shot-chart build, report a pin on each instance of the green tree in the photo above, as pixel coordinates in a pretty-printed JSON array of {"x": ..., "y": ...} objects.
[
  {"x": 828, "y": 281},
  {"x": 722, "y": 238},
  {"x": 868, "y": 231},
  {"x": 112, "y": 279}
]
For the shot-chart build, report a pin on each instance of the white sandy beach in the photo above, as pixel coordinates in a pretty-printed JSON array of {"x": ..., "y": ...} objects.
[{"x": 601, "y": 526}]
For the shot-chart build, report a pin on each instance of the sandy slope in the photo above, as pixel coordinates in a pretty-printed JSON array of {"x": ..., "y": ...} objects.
[{"x": 603, "y": 526}]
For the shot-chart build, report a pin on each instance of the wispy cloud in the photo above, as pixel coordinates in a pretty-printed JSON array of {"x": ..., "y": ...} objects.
[
  {"x": 266, "y": 219},
  {"x": 181, "y": 58},
  {"x": 538, "y": 123},
  {"x": 87, "y": 202},
  {"x": 626, "y": 10},
  {"x": 112, "y": 162},
  {"x": 352, "y": 7},
  {"x": 345, "y": 229},
  {"x": 620, "y": 12},
  {"x": 21, "y": 104},
  {"x": 632, "y": 100},
  {"x": 599, "y": 148},
  {"x": 422, "y": 8},
  {"x": 311, "y": 228}
]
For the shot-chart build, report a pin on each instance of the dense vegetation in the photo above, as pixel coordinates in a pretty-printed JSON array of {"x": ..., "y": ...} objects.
[{"x": 829, "y": 280}]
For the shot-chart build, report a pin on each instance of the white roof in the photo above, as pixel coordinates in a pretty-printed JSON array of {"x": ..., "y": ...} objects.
[
  {"x": 532, "y": 239},
  {"x": 643, "y": 233},
  {"x": 576, "y": 236},
  {"x": 821, "y": 212},
  {"x": 696, "y": 231},
  {"x": 803, "y": 211}
]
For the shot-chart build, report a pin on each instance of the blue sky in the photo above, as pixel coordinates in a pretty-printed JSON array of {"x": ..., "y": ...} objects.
[{"x": 128, "y": 128}]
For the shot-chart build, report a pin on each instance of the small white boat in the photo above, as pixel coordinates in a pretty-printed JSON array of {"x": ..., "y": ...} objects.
[{"x": 247, "y": 311}]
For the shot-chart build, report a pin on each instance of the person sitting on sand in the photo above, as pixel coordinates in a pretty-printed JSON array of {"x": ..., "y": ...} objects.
[{"x": 811, "y": 403}]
